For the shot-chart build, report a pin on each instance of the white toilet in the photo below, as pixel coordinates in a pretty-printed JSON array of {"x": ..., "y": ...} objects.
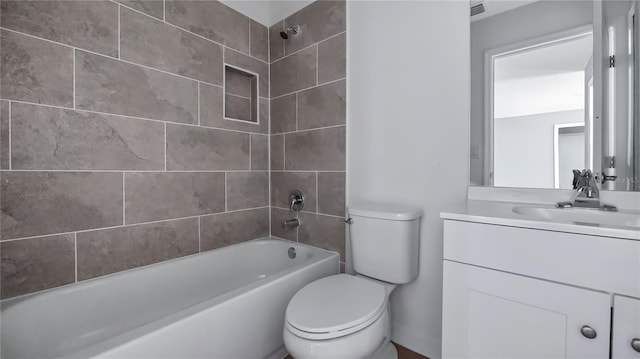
[{"x": 345, "y": 316}]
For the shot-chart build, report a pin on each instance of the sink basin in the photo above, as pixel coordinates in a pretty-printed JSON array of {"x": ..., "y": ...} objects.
[{"x": 584, "y": 216}]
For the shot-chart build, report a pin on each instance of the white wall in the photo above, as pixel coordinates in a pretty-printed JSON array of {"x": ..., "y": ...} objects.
[
  {"x": 514, "y": 26},
  {"x": 524, "y": 149},
  {"x": 407, "y": 141}
]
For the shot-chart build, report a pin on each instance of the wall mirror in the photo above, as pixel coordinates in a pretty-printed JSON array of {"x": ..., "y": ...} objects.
[{"x": 555, "y": 87}]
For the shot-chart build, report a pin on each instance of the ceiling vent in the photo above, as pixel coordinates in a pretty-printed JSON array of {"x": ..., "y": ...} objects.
[{"x": 477, "y": 8}]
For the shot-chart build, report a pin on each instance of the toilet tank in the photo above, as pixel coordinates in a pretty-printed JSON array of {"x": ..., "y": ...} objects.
[{"x": 385, "y": 241}]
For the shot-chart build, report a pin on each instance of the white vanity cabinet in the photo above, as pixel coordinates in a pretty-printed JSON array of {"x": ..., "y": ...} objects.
[
  {"x": 513, "y": 292},
  {"x": 626, "y": 328},
  {"x": 492, "y": 314}
]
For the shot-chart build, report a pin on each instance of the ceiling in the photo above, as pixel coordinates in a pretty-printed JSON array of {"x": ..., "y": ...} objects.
[
  {"x": 267, "y": 12},
  {"x": 495, "y": 7},
  {"x": 552, "y": 75},
  {"x": 560, "y": 58}
]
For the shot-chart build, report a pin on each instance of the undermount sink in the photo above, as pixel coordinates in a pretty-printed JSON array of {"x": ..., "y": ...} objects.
[{"x": 584, "y": 216}]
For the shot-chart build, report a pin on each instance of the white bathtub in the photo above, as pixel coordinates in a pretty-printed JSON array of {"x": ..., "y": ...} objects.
[{"x": 227, "y": 303}]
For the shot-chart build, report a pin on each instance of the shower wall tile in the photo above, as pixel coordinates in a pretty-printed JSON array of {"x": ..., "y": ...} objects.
[
  {"x": 318, "y": 21},
  {"x": 38, "y": 203},
  {"x": 249, "y": 63},
  {"x": 238, "y": 108},
  {"x": 278, "y": 216},
  {"x": 108, "y": 85},
  {"x": 323, "y": 231},
  {"x": 196, "y": 148},
  {"x": 47, "y": 138},
  {"x": 211, "y": 112},
  {"x": 4, "y": 135},
  {"x": 276, "y": 43},
  {"x": 259, "y": 41},
  {"x": 236, "y": 83},
  {"x": 308, "y": 123},
  {"x": 295, "y": 72},
  {"x": 282, "y": 183},
  {"x": 259, "y": 152},
  {"x": 33, "y": 264},
  {"x": 91, "y": 25},
  {"x": 153, "y": 196},
  {"x": 277, "y": 152},
  {"x": 112, "y": 250},
  {"x": 153, "y": 43},
  {"x": 283, "y": 114},
  {"x": 118, "y": 115},
  {"x": 331, "y": 193},
  {"x": 35, "y": 70},
  {"x": 332, "y": 60},
  {"x": 322, "y": 106},
  {"x": 212, "y": 20},
  {"x": 316, "y": 150},
  {"x": 247, "y": 190},
  {"x": 154, "y": 8},
  {"x": 224, "y": 229}
]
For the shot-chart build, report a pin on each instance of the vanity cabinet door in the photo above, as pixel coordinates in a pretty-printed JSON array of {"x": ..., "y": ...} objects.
[
  {"x": 626, "y": 328},
  {"x": 493, "y": 314}
]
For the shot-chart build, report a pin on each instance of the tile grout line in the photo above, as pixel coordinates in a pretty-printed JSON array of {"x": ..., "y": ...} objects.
[
  {"x": 119, "y": 36},
  {"x": 239, "y": 96},
  {"x": 109, "y": 57},
  {"x": 131, "y": 224},
  {"x": 138, "y": 118},
  {"x": 124, "y": 203},
  {"x": 73, "y": 53},
  {"x": 199, "y": 236},
  {"x": 10, "y": 144},
  {"x": 75, "y": 254},
  {"x": 225, "y": 191},
  {"x": 308, "y": 88},
  {"x": 144, "y": 171},
  {"x": 308, "y": 46},
  {"x": 317, "y": 198},
  {"x": 194, "y": 34},
  {"x": 315, "y": 213}
]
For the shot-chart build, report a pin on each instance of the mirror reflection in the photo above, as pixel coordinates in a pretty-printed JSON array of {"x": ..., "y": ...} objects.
[{"x": 554, "y": 89}]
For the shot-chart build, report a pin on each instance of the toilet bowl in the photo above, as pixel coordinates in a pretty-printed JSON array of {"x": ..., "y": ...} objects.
[
  {"x": 340, "y": 316},
  {"x": 346, "y": 316}
]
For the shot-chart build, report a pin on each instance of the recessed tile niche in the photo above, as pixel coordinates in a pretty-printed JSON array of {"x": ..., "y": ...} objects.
[{"x": 240, "y": 95}]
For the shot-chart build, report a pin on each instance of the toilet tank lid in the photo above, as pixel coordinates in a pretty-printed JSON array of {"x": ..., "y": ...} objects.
[{"x": 390, "y": 211}]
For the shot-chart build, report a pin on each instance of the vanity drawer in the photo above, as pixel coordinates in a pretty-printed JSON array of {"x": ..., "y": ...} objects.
[{"x": 601, "y": 263}]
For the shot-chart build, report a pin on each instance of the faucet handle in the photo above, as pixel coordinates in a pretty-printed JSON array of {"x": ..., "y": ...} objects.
[{"x": 576, "y": 178}]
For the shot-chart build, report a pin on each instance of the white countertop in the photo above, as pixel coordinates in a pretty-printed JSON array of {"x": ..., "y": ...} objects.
[{"x": 501, "y": 213}]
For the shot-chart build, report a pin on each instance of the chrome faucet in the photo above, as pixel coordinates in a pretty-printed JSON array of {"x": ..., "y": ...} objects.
[{"x": 587, "y": 194}]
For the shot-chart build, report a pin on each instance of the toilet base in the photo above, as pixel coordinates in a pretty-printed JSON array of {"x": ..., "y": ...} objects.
[{"x": 386, "y": 351}]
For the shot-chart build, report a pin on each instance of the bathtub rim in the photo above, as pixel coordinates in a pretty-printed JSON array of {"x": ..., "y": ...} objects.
[{"x": 7, "y": 302}]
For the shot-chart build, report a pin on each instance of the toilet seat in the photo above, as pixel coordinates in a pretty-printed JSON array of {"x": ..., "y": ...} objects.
[{"x": 335, "y": 306}]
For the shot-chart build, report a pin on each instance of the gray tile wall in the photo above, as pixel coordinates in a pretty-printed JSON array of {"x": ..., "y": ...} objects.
[
  {"x": 114, "y": 150},
  {"x": 308, "y": 124},
  {"x": 114, "y": 153}
]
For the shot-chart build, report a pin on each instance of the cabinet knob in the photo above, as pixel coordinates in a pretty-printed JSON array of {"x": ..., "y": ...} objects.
[
  {"x": 589, "y": 332},
  {"x": 635, "y": 344}
]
